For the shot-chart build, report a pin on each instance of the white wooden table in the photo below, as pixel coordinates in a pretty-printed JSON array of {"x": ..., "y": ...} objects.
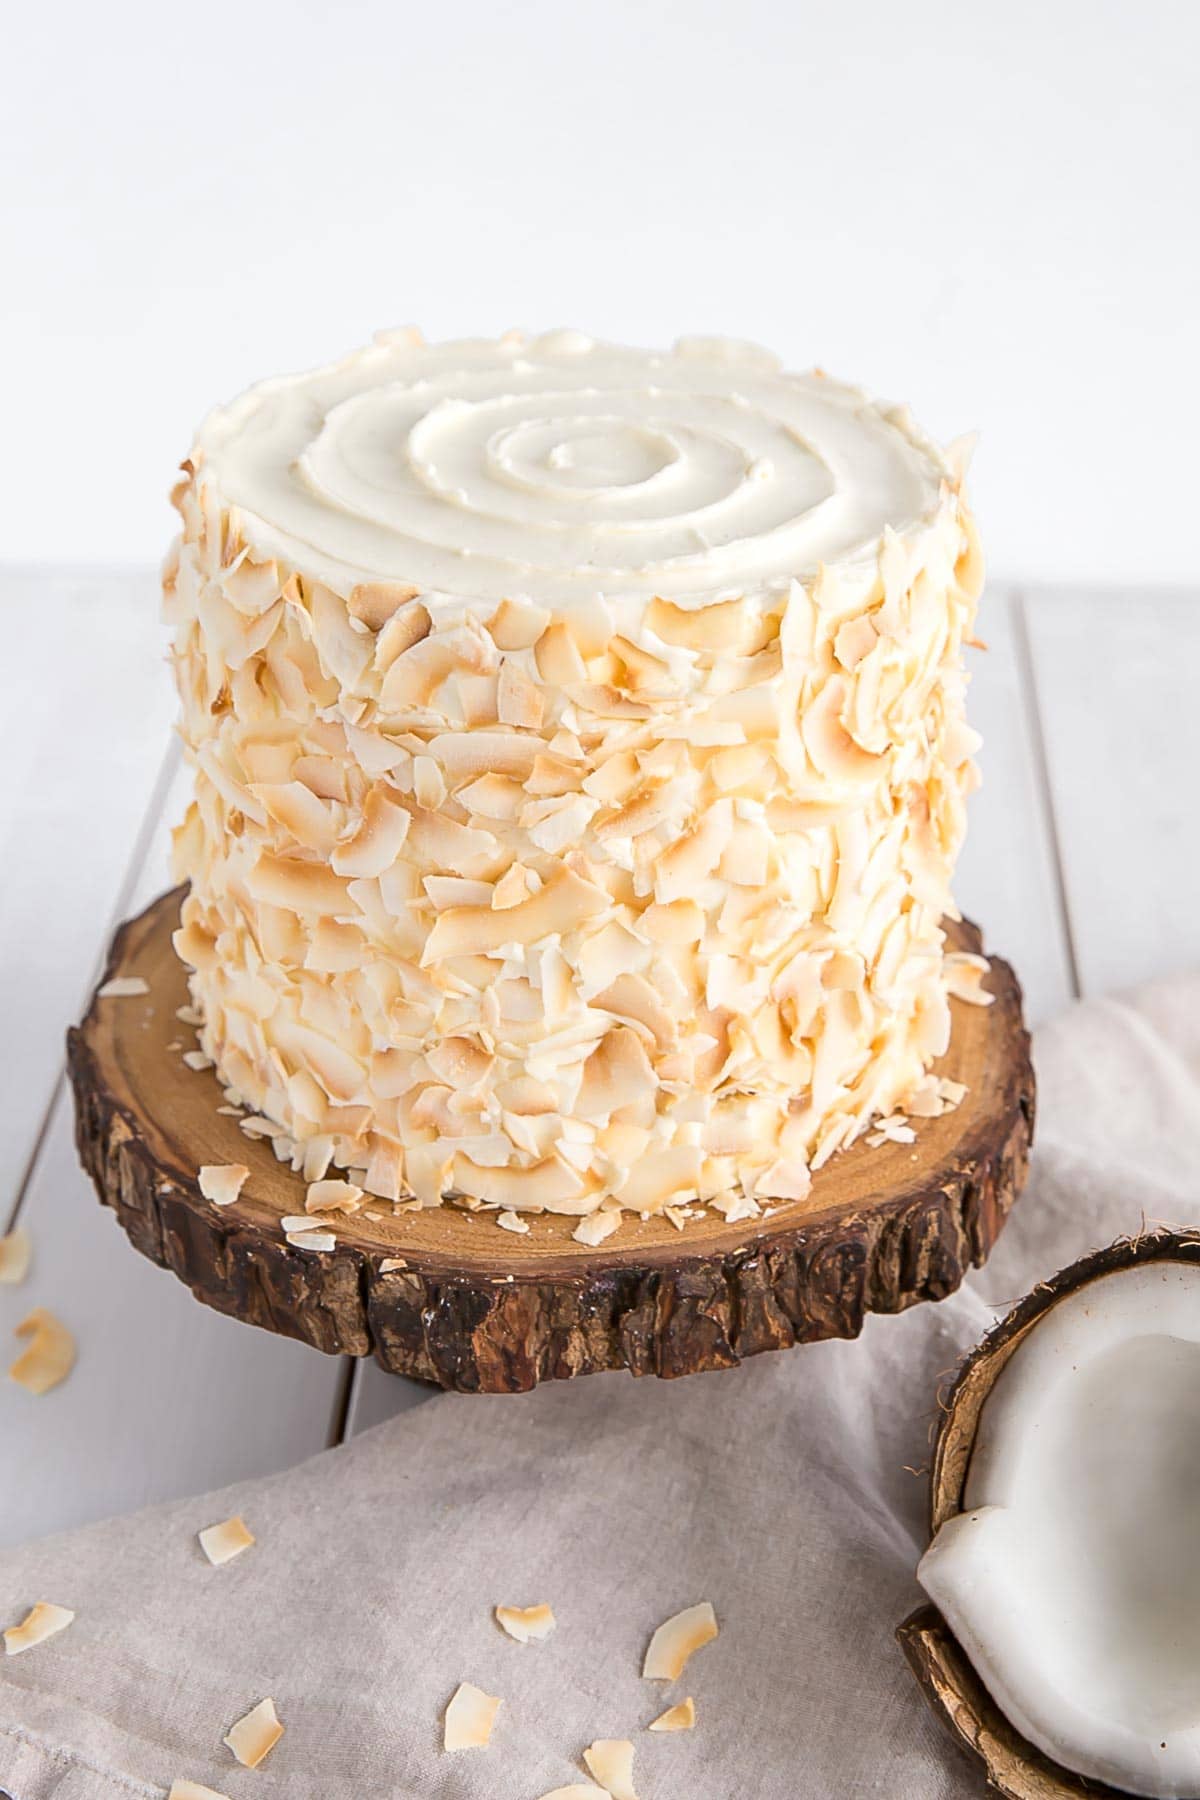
[{"x": 1081, "y": 866}]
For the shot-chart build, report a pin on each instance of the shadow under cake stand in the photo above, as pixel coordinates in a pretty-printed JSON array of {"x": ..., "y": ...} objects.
[{"x": 483, "y": 1310}]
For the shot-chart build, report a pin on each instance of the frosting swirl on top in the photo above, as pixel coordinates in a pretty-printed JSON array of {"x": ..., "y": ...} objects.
[{"x": 561, "y": 469}]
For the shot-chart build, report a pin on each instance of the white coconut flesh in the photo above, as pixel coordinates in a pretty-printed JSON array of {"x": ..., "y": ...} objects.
[{"x": 1072, "y": 1580}]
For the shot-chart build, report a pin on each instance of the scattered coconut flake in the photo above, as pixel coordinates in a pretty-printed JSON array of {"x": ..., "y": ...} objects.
[
  {"x": 610, "y": 1760},
  {"x": 964, "y": 973},
  {"x": 322, "y": 1241},
  {"x": 49, "y": 1356},
  {"x": 677, "y": 1216},
  {"x": 952, "y": 1092},
  {"x": 596, "y": 1227},
  {"x": 469, "y": 1718},
  {"x": 578, "y": 1790},
  {"x": 221, "y": 1543},
  {"x": 676, "y": 1718},
  {"x": 41, "y": 1622},
  {"x": 196, "y": 1059},
  {"x": 223, "y": 1182},
  {"x": 255, "y": 1736},
  {"x": 332, "y": 1196},
  {"x": 392, "y": 1263},
  {"x": 676, "y": 1640},
  {"x": 526, "y": 1623},
  {"x": 16, "y": 1253},
  {"x": 123, "y": 987},
  {"x": 511, "y": 1221},
  {"x": 193, "y": 1790}
]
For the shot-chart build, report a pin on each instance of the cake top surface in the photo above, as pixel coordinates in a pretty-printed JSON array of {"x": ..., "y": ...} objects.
[{"x": 565, "y": 469}]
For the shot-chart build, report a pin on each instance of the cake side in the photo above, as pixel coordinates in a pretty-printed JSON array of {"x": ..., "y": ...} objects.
[{"x": 609, "y": 900}]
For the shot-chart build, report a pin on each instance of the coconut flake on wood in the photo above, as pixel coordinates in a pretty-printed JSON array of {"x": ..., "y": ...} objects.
[
  {"x": 123, "y": 987},
  {"x": 596, "y": 1227},
  {"x": 222, "y": 1182}
]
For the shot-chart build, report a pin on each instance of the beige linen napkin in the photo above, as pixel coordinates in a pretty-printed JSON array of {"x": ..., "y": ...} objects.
[{"x": 781, "y": 1491}]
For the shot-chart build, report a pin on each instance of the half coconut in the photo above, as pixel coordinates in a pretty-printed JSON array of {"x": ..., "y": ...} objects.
[{"x": 1065, "y": 1561}]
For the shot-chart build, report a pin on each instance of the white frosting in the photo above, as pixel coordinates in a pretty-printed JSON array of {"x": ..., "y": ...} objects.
[{"x": 562, "y": 469}]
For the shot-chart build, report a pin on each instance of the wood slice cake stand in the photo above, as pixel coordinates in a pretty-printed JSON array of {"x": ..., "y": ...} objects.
[{"x": 483, "y": 1310}]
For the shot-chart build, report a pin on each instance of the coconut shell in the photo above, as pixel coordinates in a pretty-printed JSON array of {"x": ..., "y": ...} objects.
[{"x": 1012, "y": 1765}]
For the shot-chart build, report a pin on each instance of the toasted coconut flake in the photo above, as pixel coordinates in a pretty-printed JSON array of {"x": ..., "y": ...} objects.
[
  {"x": 469, "y": 1718},
  {"x": 390, "y": 1264},
  {"x": 43, "y": 1621},
  {"x": 643, "y": 673},
  {"x": 722, "y": 626},
  {"x": 518, "y": 700},
  {"x": 332, "y": 1196},
  {"x": 517, "y": 625},
  {"x": 676, "y": 1718},
  {"x": 49, "y": 1356},
  {"x": 222, "y": 1182},
  {"x": 659, "y": 1176},
  {"x": 855, "y": 639},
  {"x": 610, "y": 1760},
  {"x": 429, "y": 784},
  {"x": 376, "y": 843},
  {"x": 964, "y": 974},
  {"x": 676, "y": 1640},
  {"x": 617, "y": 1073},
  {"x": 511, "y": 1221},
  {"x": 373, "y": 603},
  {"x": 196, "y": 1059},
  {"x": 406, "y": 627},
  {"x": 123, "y": 987},
  {"x": 221, "y": 1543},
  {"x": 673, "y": 922},
  {"x": 526, "y": 1624},
  {"x": 833, "y": 751},
  {"x": 256, "y": 1735},
  {"x": 557, "y": 656},
  {"x": 320, "y": 1241},
  {"x": 493, "y": 797},
  {"x": 564, "y": 902},
  {"x": 596, "y": 1227},
  {"x": 576, "y": 1790},
  {"x": 302, "y": 887},
  {"x": 193, "y": 1790},
  {"x": 16, "y": 1253}
]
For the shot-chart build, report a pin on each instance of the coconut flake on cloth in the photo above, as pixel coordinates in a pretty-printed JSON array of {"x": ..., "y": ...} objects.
[{"x": 782, "y": 1492}]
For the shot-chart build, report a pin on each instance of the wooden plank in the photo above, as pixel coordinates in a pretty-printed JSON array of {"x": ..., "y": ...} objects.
[
  {"x": 167, "y": 1397},
  {"x": 1007, "y": 879},
  {"x": 85, "y": 715},
  {"x": 1116, "y": 684}
]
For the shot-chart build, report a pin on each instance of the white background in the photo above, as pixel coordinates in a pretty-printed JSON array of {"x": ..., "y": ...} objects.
[{"x": 989, "y": 210}]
